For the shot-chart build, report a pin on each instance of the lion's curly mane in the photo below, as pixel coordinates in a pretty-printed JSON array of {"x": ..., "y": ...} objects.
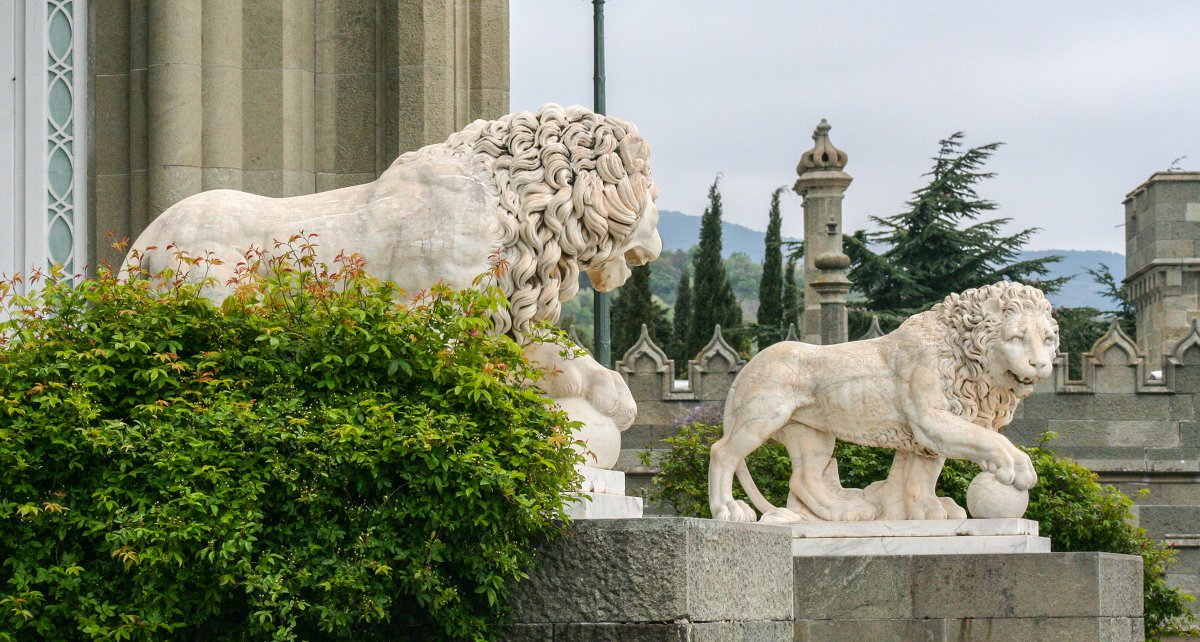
[
  {"x": 970, "y": 336},
  {"x": 572, "y": 185}
]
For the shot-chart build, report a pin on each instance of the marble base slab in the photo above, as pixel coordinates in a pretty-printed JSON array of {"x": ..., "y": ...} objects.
[
  {"x": 599, "y": 480},
  {"x": 917, "y": 537},
  {"x": 917, "y": 528},
  {"x": 605, "y": 506},
  {"x": 937, "y": 545}
]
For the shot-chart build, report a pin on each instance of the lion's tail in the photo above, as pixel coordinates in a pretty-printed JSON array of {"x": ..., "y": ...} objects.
[{"x": 748, "y": 485}]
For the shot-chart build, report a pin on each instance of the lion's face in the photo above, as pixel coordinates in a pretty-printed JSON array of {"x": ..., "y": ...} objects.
[
  {"x": 643, "y": 246},
  {"x": 1024, "y": 351}
]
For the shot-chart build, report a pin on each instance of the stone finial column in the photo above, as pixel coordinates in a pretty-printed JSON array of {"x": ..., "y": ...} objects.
[
  {"x": 822, "y": 184},
  {"x": 831, "y": 287}
]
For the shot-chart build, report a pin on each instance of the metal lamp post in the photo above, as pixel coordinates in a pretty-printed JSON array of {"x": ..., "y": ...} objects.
[{"x": 601, "y": 301}]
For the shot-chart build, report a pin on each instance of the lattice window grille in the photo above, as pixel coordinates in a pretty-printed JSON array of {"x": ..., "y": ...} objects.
[{"x": 65, "y": 185}]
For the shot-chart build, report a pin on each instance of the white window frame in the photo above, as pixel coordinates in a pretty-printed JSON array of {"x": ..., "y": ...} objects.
[{"x": 25, "y": 144}]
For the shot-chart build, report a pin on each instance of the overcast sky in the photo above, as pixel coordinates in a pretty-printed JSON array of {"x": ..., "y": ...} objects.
[{"x": 1090, "y": 98}]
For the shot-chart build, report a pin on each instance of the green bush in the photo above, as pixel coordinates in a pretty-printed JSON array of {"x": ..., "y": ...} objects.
[
  {"x": 310, "y": 460},
  {"x": 1072, "y": 508}
]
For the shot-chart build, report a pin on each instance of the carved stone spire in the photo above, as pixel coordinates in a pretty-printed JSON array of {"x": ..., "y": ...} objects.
[{"x": 823, "y": 156}]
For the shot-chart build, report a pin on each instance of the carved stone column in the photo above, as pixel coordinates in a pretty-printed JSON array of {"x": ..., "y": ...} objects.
[
  {"x": 831, "y": 287},
  {"x": 822, "y": 184}
]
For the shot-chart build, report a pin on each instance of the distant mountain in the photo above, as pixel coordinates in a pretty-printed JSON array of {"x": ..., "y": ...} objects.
[
  {"x": 1082, "y": 290},
  {"x": 682, "y": 231}
]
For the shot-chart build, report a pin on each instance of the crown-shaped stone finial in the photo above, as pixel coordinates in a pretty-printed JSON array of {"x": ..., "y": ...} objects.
[{"x": 823, "y": 156}]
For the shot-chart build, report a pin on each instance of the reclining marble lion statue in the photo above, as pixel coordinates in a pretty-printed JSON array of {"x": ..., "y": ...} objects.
[
  {"x": 940, "y": 386},
  {"x": 549, "y": 194}
]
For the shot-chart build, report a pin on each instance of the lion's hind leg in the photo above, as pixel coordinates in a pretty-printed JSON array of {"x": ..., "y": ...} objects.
[
  {"x": 811, "y": 451},
  {"x": 743, "y": 435},
  {"x": 909, "y": 492}
]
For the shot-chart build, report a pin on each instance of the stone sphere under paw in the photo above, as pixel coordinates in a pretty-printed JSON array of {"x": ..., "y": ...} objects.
[{"x": 988, "y": 498}]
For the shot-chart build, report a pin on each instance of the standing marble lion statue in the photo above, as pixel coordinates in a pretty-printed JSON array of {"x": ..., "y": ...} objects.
[
  {"x": 940, "y": 386},
  {"x": 548, "y": 194}
]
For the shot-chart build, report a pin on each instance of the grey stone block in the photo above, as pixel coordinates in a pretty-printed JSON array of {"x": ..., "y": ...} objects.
[
  {"x": 660, "y": 570},
  {"x": 528, "y": 633},
  {"x": 1182, "y": 407},
  {"x": 1026, "y": 432},
  {"x": 622, "y": 632},
  {"x": 1187, "y": 562},
  {"x": 1044, "y": 628},
  {"x": 853, "y": 588},
  {"x": 1027, "y": 585},
  {"x": 1050, "y": 406},
  {"x": 870, "y": 630},
  {"x": 1160, "y": 521},
  {"x": 762, "y": 631},
  {"x": 1160, "y": 493},
  {"x": 1189, "y": 433},
  {"x": 1147, "y": 434},
  {"x": 1123, "y": 407}
]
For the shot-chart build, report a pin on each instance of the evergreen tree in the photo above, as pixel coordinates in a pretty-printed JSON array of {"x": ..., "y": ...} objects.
[
  {"x": 938, "y": 246},
  {"x": 683, "y": 318},
  {"x": 713, "y": 300},
  {"x": 770, "y": 287},
  {"x": 633, "y": 306},
  {"x": 791, "y": 297},
  {"x": 1115, "y": 292}
]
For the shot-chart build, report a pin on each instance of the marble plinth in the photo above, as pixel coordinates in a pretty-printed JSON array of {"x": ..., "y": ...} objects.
[
  {"x": 918, "y": 537},
  {"x": 599, "y": 480},
  {"x": 602, "y": 496},
  {"x": 603, "y": 506}
]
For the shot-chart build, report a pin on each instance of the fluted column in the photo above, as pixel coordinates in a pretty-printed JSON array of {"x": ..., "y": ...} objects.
[
  {"x": 175, "y": 155},
  {"x": 274, "y": 97},
  {"x": 222, "y": 94}
]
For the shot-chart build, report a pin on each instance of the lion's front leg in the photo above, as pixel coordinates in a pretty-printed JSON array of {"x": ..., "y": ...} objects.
[
  {"x": 909, "y": 492},
  {"x": 591, "y": 394},
  {"x": 956, "y": 438}
]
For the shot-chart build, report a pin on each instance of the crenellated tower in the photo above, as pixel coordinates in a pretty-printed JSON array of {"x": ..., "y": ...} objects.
[{"x": 1162, "y": 259}]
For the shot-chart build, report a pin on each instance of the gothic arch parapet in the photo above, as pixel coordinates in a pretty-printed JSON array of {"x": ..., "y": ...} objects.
[
  {"x": 1114, "y": 364},
  {"x": 714, "y": 367}
]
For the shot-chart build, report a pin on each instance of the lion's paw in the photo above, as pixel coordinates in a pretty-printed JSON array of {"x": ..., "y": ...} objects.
[
  {"x": 1011, "y": 469},
  {"x": 851, "y": 511},
  {"x": 783, "y": 516},
  {"x": 736, "y": 511},
  {"x": 953, "y": 510},
  {"x": 1025, "y": 476}
]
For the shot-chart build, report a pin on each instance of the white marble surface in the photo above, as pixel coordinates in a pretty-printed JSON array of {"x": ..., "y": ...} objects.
[
  {"x": 450, "y": 212},
  {"x": 602, "y": 506},
  {"x": 987, "y": 497},
  {"x": 950, "y": 545},
  {"x": 939, "y": 386},
  {"x": 599, "y": 480},
  {"x": 917, "y": 528}
]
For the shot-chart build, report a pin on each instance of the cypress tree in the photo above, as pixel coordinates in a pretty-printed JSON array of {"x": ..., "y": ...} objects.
[
  {"x": 683, "y": 318},
  {"x": 634, "y": 305},
  {"x": 791, "y": 297},
  {"x": 713, "y": 301},
  {"x": 770, "y": 287}
]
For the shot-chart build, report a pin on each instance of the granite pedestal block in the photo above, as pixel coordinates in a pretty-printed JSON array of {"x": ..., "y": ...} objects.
[
  {"x": 659, "y": 579},
  {"x": 1059, "y": 597}
]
